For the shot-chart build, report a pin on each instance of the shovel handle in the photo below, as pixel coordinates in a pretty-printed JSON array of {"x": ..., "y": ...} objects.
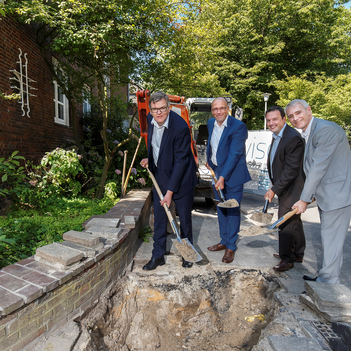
[
  {"x": 265, "y": 207},
  {"x": 220, "y": 192},
  {"x": 283, "y": 219},
  {"x": 168, "y": 212}
]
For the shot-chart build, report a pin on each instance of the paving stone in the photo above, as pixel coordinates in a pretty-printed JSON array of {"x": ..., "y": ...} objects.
[
  {"x": 41, "y": 267},
  {"x": 26, "y": 261},
  {"x": 293, "y": 286},
  {"x": 103, "y": 222},
  {"x": 86, "y": 251},
  {"x": 12, "y": 283},
  {"x": 17, "y": 270},
  {"x": 292, "y": 343},
  {"x": 334, "y": 295},
  {"x": 9, "y": 302},
  {"x": 59, "y": 254},
  {"x": 129, "y": 222},
  {"x": 46, "y": 282},
  {"x": 81, "y": 238},
  {"x": 344, "y": 330},
  {"x": 311, "y": 331},
  {"x": 105, "y": 232},
  {"x": 30, "y": 292}
]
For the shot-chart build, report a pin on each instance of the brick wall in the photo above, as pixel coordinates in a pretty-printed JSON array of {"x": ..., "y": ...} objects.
[
  {"x": 65, "y": 295},
  {"x": 38, "y": 134}
]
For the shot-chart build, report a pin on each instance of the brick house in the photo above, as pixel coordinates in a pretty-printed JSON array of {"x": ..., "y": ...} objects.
[{"x": 40, "y": 120}]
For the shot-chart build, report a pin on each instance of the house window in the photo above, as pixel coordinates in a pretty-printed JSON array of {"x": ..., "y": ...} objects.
[
  {"x": 86, "y": 106},
  {"x": 61, "y": 106}
]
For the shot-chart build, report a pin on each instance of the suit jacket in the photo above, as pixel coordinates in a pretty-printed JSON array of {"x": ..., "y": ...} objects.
[
  {"x": 327, "y": 165},
  {"x": 176, "y": 164},
  {"x": 231, "y": 154},
  {"x": 288, "y": 177}
]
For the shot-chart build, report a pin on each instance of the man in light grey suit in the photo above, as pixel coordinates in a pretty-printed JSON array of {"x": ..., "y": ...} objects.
[{"x": 327, "y": 166}]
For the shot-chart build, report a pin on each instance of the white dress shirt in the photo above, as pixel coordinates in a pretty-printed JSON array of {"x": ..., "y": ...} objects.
[
  {"x": 216, "y": 137},
  {"x": 157, "y": 138}
]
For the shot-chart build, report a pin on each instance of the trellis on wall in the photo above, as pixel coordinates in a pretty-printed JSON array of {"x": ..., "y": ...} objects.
[{"x": 21, "y": 83}]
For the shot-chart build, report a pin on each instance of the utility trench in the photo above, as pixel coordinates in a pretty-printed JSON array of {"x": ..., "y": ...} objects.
[{"x": 214, "y": 310}]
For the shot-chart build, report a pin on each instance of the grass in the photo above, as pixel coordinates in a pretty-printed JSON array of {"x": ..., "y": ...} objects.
[{"x": 32, "y": 229}]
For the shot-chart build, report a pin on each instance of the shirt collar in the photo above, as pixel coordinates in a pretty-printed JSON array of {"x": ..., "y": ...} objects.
[
  {"x": 307, "y": 132},
  {"x": 280, "y": 134},
  {"x": 224, "y": 124},
  {"x": 163, "y": 125}
]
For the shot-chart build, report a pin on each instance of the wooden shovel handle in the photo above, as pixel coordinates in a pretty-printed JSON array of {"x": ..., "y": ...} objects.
[
  {"x": 288, "y": 215},
  {"x": 159, "y": 192}
]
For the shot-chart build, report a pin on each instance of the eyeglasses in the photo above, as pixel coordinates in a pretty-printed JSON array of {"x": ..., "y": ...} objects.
[
  {"x": 215, "y": 110},
  {"x": 159, "y": 110}
]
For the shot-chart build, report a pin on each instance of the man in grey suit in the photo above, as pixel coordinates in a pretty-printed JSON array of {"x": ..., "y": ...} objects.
[{"x": 327, "y": 166}]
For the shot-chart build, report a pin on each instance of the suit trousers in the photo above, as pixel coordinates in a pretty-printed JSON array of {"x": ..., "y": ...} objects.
[
  {"x": 292, "y": 242},
  {"x": 334, "y": 227},
  {"x": 229, "y": 218},
  {"x": 184, "y": 206}
]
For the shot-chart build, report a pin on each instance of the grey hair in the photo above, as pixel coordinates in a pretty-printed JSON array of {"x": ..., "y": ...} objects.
[
  {"x": 157, "y": 96},
  {"x": 293, "y": 103}
]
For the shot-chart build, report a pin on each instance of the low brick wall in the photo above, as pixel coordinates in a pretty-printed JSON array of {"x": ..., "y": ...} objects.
[{"x": 35, "y": 299}]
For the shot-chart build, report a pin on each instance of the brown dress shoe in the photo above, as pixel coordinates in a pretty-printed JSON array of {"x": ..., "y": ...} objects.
[
  {"x": 283, "y": 266},
  {"x": 297, "y": 259},
  {"x": 217, "y": 247},
  {"x": 228, "y": 256}
]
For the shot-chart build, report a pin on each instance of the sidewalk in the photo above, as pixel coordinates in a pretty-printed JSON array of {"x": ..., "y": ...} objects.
[{"x": 256, "y": 252}]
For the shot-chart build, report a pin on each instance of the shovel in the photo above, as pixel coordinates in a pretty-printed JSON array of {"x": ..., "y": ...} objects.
[
  {"x": 184, "y": 246},
  {"x": 223, "y": 203},
  {"x": 263, "y": 216}
]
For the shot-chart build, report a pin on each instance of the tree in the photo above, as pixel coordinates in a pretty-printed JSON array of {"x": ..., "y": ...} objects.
[
  {"x": 329, "y": 97},
  {"x": 95, "y": 42},
  {"x": 186, "y": 65},
  {"x": 260, "y": 40}
]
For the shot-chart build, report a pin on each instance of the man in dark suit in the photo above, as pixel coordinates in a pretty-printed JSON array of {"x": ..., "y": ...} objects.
[
  {"x": 171, "y": 161},
  {"x": 327, "y": 165},
  {"x": 226, "y": 156},
  {"x": 284, "y": 165}
]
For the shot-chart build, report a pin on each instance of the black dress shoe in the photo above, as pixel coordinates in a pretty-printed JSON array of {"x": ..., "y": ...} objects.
[
  {"x": 154, "y": 263},
  {"x": 186, "y": 264},
  {"x": 306, "y": 277},
  {"x": 296, "y": 259}
]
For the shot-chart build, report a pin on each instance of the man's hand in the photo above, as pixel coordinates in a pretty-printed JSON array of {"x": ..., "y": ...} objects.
[
  {"x": 301, "y": 206},
  {"x": 269, "y": 195},
  {"x": 220, "y": 183},
  {"x": 207, "y": 166},
  {"x": 167, "y": 199},
  {"x": 144, "y": 162}
]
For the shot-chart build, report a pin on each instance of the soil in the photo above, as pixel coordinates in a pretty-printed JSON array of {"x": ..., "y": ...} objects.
[
  {"x": 217, "y": 310},
  {"x": 186, "y": 250},
  {"x": 228, "y": 204},
  {"x": 254, "y": 230},
  {"x": 262, "y": 217}
]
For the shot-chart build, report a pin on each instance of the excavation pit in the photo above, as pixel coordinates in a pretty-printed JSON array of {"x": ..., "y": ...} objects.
[{"x": 218, "y": 310}]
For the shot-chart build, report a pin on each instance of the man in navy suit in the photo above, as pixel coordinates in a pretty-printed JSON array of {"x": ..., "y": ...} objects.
[
  {"x": 172, "y": 162},
  {"x": 226, "y": 156},
  {"x": 285, "y": 171}
]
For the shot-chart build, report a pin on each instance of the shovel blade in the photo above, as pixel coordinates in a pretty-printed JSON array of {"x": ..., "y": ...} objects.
[{"x": 187, "y": 250}]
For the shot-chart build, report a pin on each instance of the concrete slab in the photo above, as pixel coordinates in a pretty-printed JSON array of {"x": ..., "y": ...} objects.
[
  {"x": 292, "y": 343},
  {"x": 292, "y": 286},
  {"x": 129, "y": 222},
  {"x": 333, "y": 295},
  {"x": 86, "y": 251},
  {"x": 105, "y": 232},
  {"x": 103, "y": 222},
  {"x": 81, "y": 238},
  {"x": 58, "y": 254}
]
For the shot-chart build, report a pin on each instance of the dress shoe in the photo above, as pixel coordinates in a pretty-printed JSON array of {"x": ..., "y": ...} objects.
[
  {"x": 217, "y": 247},
  {"x": 228, "y": 256},
  {"x": 306, "y": 277},
  {"x": 283, "y": 266},
  {"x": 297, "y": 259},
  {"x": 186, "y": 264},
  {"x": 154, "y": 263}
]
